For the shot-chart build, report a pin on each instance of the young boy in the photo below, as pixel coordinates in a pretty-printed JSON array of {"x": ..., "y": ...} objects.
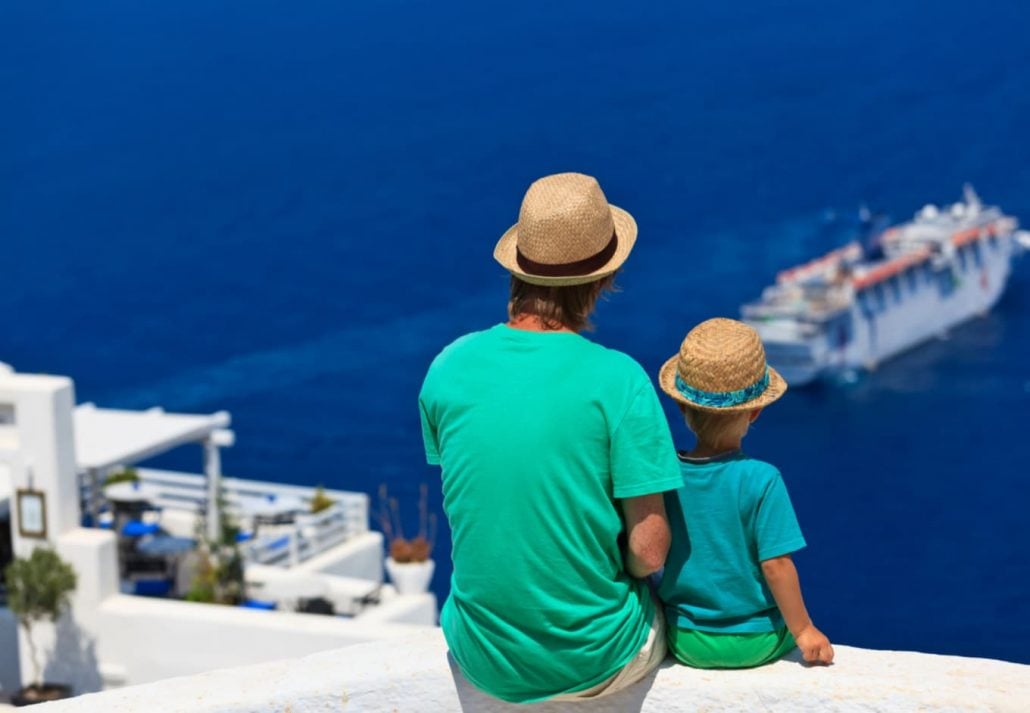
[{"x": 730, "y": 588}]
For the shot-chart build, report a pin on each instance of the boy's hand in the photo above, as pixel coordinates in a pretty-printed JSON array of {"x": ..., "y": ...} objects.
[
  {"x": 814, "y": 645},
  {"x": 782, "y": 578}
]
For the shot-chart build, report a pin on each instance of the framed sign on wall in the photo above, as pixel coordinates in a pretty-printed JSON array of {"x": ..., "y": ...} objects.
[{"x": 31, "y": 513}]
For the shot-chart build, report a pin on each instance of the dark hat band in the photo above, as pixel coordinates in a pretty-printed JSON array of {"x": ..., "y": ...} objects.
[{"x": 568, "y": 269}]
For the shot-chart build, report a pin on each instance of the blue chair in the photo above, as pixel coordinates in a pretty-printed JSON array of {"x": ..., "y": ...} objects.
[
  {"x": 104, "y": 520},
  {"x": 258, "y": 604},
  {"x": 138, "y": 528},
  {"x": 153, "y": 587},
  {"x": 279, "y": 543}
]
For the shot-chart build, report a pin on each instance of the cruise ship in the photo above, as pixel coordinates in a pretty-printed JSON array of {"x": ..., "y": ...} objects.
[{"x": 862, "y": 304}]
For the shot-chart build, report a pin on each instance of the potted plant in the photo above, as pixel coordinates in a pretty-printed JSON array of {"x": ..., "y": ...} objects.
[
  {"x": 320, "y": 501},
  {"x": 218, "y": 575},
  {"x": 39, "y": 587},
  {"x": 409, "y": 563},
  {"x": 126, "y": 475}
]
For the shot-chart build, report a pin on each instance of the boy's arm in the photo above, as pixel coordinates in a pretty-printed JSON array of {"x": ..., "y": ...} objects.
[
  {"x": 782, "y": 578},
  {"x": 647, "y": 534}
]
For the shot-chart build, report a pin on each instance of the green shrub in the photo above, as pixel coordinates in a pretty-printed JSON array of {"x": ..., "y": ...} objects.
[
  {"x": 126, "y": 475},
  {"x": 320, "y": 501},
  {"x": 38, "y": 587}
]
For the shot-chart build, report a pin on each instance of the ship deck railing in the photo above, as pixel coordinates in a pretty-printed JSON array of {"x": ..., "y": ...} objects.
[{"x": 805, "y": 313}]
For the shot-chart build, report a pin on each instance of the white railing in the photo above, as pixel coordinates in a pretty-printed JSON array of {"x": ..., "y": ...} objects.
[
  {"x": 309, "y": 536},
  {"x": 284, "y": 545}
]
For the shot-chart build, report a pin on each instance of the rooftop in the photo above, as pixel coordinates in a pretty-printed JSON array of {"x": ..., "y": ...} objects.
[
  {"x": 413, "y": 674},
  {"x": 108, "y": 437}
]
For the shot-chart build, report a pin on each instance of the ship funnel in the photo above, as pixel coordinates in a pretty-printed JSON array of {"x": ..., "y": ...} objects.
[{"x": 971, "y": 198}]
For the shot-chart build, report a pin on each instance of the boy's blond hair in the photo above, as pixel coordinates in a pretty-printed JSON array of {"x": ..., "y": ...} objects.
[{"x": 712, "y": 427}]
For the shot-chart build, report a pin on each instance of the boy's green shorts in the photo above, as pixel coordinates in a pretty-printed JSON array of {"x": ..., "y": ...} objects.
[{"x": 704, "y": 649}]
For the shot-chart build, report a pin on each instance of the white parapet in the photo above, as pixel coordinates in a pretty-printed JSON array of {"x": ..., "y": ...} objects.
[
  {"x": 151, "y": 639},
  {"x": 413, "y": 674}
]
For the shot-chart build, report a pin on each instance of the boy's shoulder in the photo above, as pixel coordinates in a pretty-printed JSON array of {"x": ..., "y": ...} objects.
[
  {"x": 760, "y": 467},
  {"x": 754, "y": 471},
  {"x": 759, "y": 472}
]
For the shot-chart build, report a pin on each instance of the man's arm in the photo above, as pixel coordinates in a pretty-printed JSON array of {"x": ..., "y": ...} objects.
[
  {"x": 647, "y": 531},
  {"x": 782, "y": 577}
]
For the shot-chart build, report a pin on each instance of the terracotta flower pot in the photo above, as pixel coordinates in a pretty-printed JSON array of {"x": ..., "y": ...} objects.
[{"x": 410, "y": 577}]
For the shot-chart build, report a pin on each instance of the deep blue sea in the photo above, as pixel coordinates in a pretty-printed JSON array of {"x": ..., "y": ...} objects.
[{"x": 286, "y": 209}]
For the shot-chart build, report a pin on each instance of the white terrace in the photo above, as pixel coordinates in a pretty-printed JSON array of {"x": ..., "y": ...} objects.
[
  {"x": 109, "y": 440},
  {"x": 54, "y": 458},
  {"x": 414, "y": 675}
]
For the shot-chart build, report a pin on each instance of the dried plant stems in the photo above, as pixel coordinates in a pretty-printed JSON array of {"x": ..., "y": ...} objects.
[
  {"x": 419, "y": 548},
  {"x": 396, "y": 518},
  {"x": 384, "y": 516},
  {"x": 423, "y": 510}
]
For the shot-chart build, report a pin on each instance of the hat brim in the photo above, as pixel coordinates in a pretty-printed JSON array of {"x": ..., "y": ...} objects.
[
  {"x": 626, "y": 236},
  {"x": 667, "y": 380}
]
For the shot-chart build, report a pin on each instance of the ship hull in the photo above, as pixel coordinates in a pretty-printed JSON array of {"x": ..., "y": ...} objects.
[{"x": 893, "y": 316}]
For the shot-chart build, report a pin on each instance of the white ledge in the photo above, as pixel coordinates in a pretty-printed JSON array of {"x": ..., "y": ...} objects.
[{"x": 413, "y": 674}]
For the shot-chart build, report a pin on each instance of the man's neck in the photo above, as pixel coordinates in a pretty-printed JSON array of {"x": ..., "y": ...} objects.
[{"x": 533, "y": 323}]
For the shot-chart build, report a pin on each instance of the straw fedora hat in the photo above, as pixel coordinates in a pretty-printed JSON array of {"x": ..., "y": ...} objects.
[
  {"x": 567, "y": 233},
  {"x": 721, "y": 367}
]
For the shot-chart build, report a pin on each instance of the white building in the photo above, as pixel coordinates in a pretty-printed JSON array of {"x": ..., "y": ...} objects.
[{"x": 54, "y": 458}]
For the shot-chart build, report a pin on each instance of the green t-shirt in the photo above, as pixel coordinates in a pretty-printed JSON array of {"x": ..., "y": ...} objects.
[
  {"x": 538, "y": 433},
  {"x": 731, "y": 513}
]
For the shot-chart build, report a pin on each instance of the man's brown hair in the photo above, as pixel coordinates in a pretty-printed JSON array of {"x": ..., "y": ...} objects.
[{"x": 567, "y": 306}]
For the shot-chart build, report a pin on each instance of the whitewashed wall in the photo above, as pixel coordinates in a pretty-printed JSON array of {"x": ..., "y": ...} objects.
[
  {"x": 413, "y": 674},
  {"x": 151, "y": 639},
  {"x": 109, "y": 639}
]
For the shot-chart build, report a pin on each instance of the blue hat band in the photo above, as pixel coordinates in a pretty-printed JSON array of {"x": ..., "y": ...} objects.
[{"x": 723, "y": 399}]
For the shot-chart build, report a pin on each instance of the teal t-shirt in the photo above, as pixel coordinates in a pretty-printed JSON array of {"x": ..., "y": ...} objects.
[
  {"x": 538, "y": 435},
  {"x": 729, "y": 515}
]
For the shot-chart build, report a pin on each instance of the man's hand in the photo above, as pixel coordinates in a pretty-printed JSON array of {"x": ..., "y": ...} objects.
[{"x": 814, "y": 645}]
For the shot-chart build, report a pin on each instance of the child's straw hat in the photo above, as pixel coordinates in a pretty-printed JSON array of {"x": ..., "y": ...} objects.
[
  {"x": 721, "y": 367},
  {"x": 567, "y": 233}
]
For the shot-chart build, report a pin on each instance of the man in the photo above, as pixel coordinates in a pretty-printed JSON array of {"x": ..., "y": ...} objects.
[{"x": 552, "y": 447}]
